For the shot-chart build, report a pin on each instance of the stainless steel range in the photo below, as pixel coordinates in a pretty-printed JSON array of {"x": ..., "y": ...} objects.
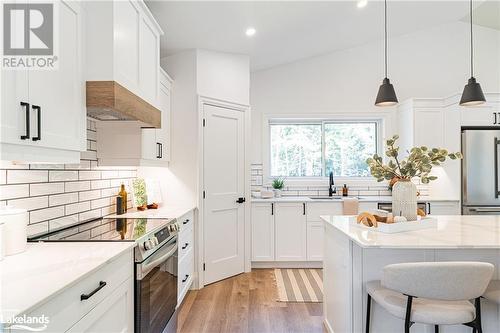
[{"x": 155, "y": 264}]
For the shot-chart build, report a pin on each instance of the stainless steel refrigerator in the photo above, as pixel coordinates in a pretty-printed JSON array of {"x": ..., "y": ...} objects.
[{"x": 480, "y": 174}]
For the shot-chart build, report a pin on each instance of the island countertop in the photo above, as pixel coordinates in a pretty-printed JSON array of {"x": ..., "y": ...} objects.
[{"x": 452, "y": 232}]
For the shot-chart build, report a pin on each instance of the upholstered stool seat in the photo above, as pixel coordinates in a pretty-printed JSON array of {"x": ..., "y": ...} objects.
[
  {"x": 424, "y": 310},
  {"x": 492, "y": 293}
]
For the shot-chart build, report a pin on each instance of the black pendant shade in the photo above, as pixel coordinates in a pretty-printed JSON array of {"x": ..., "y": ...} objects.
[
  {"x": 386, "y": 95},
  {"x": 473, "y": 94}
]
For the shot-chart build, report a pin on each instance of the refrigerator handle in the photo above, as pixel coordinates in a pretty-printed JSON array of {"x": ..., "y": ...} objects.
[{"x": 496, "y": 143}]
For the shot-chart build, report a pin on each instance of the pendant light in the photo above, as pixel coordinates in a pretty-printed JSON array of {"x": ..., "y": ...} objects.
[
  {"x": 386, "y": 95},
  {"x": 472, "y": 94}
]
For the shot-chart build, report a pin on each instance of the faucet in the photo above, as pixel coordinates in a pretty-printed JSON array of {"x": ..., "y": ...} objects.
[{"x": 331, "y": 189}]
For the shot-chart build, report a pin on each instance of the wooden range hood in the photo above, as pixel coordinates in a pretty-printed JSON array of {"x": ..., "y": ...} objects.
[{"x": 110, "y": 101}]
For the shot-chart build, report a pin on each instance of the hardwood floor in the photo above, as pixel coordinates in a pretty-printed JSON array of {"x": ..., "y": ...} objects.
[{"x": 246, "y": 303}]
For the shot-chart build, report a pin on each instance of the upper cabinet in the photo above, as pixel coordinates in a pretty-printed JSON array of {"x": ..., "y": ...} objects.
[
  {"x": 123, "y": 45},
  {"x": 43, "y": 116},
  {"x": 130, "y": 144}
]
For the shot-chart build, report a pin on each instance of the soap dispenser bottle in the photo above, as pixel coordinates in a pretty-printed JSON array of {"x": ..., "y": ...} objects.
[{"x": 345, "y": 191}]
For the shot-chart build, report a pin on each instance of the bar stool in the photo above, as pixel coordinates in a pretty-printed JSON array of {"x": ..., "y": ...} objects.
[{"x": 435, "y": 293}]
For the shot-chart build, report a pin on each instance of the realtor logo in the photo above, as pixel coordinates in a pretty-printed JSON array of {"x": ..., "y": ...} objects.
[{"x": 28, "y": 36}]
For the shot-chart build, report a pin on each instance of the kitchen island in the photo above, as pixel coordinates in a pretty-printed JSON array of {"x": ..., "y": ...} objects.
[{"x": 355, "y": 255}]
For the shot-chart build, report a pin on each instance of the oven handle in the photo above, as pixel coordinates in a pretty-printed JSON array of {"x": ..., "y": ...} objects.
[{"x": 152, "y": 262}]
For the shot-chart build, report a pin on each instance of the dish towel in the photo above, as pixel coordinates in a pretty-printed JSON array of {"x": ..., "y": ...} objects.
[{"x": 351, "y": 206}]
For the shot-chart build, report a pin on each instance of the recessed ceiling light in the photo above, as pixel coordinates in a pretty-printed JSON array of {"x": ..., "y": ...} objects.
[
  {"x": 250, "y": 31},
  {"x": 362, "y": 3}
]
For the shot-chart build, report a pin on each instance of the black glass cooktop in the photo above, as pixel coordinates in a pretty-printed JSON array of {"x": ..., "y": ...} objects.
[{"x": 115, "y": 229}]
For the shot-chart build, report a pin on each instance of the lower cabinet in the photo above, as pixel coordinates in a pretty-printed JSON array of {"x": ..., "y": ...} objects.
[
  {"x": 315, "y": 235},
  {"x": 103, "y": 301},
  {"x": 186, "y": 255},
  {"x": 443, "y": 208},
  {"x": 263, "y": 232},
  {"x": 111, "y": 315},
  {"x": 290, "y": 231}
]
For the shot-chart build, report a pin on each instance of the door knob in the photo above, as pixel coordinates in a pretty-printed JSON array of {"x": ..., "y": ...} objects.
[{"x": 241, "y": 200}]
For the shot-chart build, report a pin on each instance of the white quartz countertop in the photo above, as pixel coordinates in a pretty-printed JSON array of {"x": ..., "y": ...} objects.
[
  {"x": 339, "y": 199},
  {"x": 453, "y": 232},
  {"x": 45, "y": 269},
  {"x": 163, "y": 212}
]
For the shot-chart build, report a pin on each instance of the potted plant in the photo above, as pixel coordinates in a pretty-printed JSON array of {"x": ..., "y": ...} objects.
[
  {"x": 278, "y": 184},
  {"x": 400, "y": 172}
]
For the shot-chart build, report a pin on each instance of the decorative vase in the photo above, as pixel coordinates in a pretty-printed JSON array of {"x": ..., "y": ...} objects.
[
  {"x": 404, "y": 199},
  {"x": 277, "y": 193}
]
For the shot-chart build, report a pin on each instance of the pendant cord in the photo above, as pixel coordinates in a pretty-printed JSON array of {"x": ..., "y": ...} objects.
[
  {"x": 385, "y": 35},
  {"x": 471, "y": 44}
]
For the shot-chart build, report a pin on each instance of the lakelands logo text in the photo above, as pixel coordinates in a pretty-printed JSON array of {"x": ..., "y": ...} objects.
[
  {"x": 29, "y": 36},
  {"x": 28, "y": 323}
]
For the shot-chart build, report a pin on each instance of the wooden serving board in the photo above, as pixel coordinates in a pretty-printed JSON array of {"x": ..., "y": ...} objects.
[{"x": 392, "y": 228}]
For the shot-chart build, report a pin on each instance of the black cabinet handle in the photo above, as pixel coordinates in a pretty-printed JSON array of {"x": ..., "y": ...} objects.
[
  {"x": 186, "y": 278},
  {"x": 304, "y": 208},
  {"x": 161, "y": 150},
  {"x": 157, "y": 150},
  {"x": 240, "y": 200},
  {"x": 185, "y": 246},
  {"x": 26, "y": 107},
  {"x": 429, "y": 205},
  {"x": 38, "y": 121},
  {"x": 186, "y": 222},
  {"x": 84, "y": 297},
  {"x": 272, "y": 208}
]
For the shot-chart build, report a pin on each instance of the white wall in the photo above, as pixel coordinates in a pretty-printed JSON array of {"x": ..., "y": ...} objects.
[{"x": 430, "y": 63}]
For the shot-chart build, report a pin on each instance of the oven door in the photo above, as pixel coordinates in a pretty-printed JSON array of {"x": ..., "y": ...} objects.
[{"x": 156, "y": 290}]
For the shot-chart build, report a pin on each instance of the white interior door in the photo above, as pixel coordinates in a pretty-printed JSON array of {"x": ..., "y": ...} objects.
[{"x": 224, "y": 184}]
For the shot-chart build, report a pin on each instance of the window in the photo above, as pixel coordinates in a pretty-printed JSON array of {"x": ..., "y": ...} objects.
[{"x": 314, "y": 149}]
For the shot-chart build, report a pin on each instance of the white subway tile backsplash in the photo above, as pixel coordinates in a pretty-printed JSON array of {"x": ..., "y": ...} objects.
[
  {"x": 58, "y": 195},
  {"x": 98, "y": 184},
  {"x": 63, "y": 222},
  {"x": 38, "y": 228},
  {"x": 27, "y": 176},
  {"x": 77, "y": 207},
  {"x": 63, "y": 199},
  {"x": 14, "y": 191},
  {"x": 92, "y": 214},
  {"x": 88, "y": 175},
  {"x": 29, "y": 203},
  {"x": 89, "y": 195},
  {"x": 46, "y": 188},
  {"x": 58, "y": 176},
  {"x": 46, "y": 214}
]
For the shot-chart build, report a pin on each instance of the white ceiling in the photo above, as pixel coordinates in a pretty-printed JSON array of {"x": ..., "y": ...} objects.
[{"x": 290, "y": 31}]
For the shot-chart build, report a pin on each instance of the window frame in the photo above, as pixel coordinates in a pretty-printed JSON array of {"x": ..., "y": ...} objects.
[{"x": 379, "y": 123}]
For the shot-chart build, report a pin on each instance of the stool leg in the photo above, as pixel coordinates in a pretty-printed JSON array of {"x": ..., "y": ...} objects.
[
  {"x": 436, "y": 328},
  {"x": 478, "y": 315},
  {"x": 368, "y": 309},
  {"x": 408, "y": 314}
]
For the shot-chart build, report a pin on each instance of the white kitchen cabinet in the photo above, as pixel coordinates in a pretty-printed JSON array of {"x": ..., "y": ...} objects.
[
  {"x": 367, "y": 207},
  {"x": 443, "y": 208},
  {"x": 51, "y": 125},
  {"x": 185, "y": 255},
  {"x": 123, "y": 45},
  {"x": 109, "y": 308},
  {"x": 112, "y": 315},
  {"x": 315, "y": 235},
  {"x": 129, "y": 144},
  {"x": 263, "y": 232},
  {"x": 316, "y": 209},
  {"x": 290, "y": 231}
]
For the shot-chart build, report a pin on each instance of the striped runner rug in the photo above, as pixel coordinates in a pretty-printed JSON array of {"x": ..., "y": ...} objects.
[{"x": 299, "y": 285}]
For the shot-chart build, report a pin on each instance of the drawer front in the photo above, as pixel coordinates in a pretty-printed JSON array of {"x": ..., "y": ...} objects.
[
  {"x": 186, "y": 271},
  {"x": 316, "y": 209},
  {"x": 186, "y": 242},
  {"x": 67, "y": 308},
  {"x": 186, "y": 221}
]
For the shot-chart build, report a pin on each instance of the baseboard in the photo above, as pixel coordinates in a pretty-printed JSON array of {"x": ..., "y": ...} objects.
[
  {"x": 287, "y": 264},
  {"x": 329, "y": 328}
]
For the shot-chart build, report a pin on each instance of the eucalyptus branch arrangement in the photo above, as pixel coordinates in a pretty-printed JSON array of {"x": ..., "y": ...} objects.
[{"x": 419, "y": 163}]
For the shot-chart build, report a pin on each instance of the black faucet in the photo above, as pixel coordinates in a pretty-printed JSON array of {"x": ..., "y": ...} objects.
[{"x": 331, "y": 189}]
